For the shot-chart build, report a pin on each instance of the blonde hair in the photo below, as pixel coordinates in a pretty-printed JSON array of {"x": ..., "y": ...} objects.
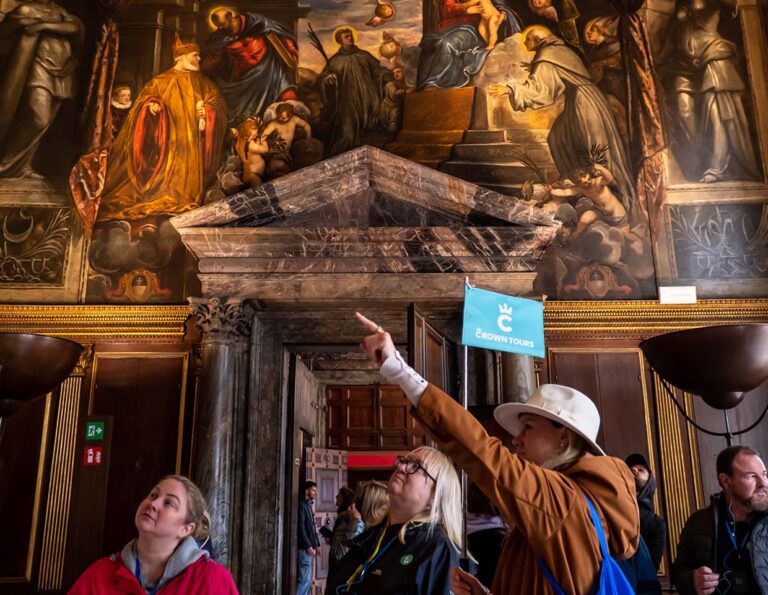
[
  {"x": 197, "y": 509},
  {"x": 446, "y": 500},
  {"x": 573, "y": 451},
  {"x": 374, "y": 499}
]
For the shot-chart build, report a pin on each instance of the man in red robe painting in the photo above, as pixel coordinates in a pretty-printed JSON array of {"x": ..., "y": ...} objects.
[
  {"x": 251, "y": 58},
  {"x": 170, "y": 144}
]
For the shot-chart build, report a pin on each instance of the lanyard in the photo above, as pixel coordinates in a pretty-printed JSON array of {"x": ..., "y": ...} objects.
[
  {"x": 377, "y": 552},
  {"x": 137, "y": 572}
]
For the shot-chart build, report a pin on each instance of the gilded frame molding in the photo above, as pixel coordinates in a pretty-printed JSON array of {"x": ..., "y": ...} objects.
[
  {"x": 97, "y": 323},
  {"x": 645, "y": 318}
]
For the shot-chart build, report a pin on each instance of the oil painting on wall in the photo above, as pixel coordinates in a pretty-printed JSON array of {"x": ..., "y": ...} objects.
[{"x": 613, "y": 116}]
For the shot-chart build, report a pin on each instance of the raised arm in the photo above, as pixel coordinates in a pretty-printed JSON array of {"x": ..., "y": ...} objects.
[
  {"x": 527, "y": 495},
  {"x": 605, "y": 172}
]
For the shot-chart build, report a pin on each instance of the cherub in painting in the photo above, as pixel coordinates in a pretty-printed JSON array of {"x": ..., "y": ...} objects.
[{"x": 491, "y": 19}]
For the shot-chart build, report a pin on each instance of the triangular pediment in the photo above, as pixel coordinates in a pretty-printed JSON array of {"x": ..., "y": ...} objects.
[
  {"x": 365, "y": 219},
  {"x": 366, "y": 187}
]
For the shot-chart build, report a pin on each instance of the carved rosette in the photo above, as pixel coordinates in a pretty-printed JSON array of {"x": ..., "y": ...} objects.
[{"x": 222, "y": 321}]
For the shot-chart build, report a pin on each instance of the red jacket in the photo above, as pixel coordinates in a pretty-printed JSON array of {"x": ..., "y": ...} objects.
[{"x": 109, "y": 576}]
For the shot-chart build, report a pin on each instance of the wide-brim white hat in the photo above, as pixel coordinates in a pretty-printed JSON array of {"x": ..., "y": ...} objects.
[{"x": 562, "y": 404}]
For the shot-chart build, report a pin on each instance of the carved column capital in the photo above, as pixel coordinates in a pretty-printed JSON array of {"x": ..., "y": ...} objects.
[{"x": 222, "y": 320}]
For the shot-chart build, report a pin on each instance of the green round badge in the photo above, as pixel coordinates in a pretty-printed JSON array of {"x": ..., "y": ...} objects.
[{"x": 407, "y": 559}]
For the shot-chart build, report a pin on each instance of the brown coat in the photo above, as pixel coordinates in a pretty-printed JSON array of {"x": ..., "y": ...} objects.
[{"x": 546, "y": 508}]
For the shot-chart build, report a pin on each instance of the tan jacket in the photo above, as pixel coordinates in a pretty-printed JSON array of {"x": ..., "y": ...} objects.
[{"x": 546, "y": 508}]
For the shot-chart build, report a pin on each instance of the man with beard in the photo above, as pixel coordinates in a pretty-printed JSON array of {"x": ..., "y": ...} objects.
[
  {"x": 724, "y": 547},
  {"x": 353, "y": 87},
  {"x": 652, "y": 526},
  {"x": 251, "y": 58}
]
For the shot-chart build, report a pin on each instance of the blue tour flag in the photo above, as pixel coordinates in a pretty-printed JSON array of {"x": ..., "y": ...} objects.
[{"x": 502, "y": 322}]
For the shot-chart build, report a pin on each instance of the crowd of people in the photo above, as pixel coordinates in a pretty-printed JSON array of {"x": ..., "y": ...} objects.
[{"x": 558, "y": 515}]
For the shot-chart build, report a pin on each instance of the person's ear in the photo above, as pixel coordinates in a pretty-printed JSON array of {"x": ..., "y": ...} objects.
[
  {"x": 186, "y": 530},
  {"x": 724, "y": 480}
]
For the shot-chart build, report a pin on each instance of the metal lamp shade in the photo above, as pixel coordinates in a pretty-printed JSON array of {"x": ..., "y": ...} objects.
[
  {"x": 718, "y": 363},
  {"x": 33, "y": 365}
]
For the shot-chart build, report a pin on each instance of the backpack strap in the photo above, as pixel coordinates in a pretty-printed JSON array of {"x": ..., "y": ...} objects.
[
  {"x": 600, "y": 536},
  {"x": 598, "y": 527}
]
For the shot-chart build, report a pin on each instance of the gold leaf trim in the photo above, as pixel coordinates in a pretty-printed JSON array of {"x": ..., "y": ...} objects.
[{"x": 85, "y": 323}]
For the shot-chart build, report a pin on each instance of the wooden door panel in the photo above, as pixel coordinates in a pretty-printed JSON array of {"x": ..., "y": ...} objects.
[
  {"x": 370, "y": 417},
  {"x": 123, "y": 388},
  {"x": 431, "y": 353},
  {"x": 622, "y": 407}
]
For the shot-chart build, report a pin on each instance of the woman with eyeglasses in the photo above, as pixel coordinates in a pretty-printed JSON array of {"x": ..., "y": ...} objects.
[
  {"x": 541, "y": 490},
  {"x": 413, "y": 549}
]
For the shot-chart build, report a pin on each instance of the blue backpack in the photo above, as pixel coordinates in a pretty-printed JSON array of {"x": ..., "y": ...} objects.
[{"x": 612, "y": 579}]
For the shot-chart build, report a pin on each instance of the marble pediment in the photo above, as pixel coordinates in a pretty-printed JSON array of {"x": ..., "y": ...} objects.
[{"x": 331, "y": 227}]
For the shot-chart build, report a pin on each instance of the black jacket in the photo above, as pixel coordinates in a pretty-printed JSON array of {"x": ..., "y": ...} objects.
[
  {"x": 698, "y": 547},
  {"x": 654, "y": 531},
  {"x": 422, "y": 565},
  {"x": 306, "y": 526}
]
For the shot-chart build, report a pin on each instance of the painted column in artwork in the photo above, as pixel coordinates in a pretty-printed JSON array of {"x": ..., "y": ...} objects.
[{"x": 226, "y": 331}]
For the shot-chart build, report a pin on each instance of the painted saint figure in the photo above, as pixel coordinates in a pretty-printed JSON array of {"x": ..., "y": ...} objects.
[
  {"x": 586, "y": 120},
  {"x": 39, "y": 74},
  {"x": 251, "y": 58},
  {"x": 708, "y": 91},
  {"x": 170, "y": 144},
  {"x": 353, "y": 86},
  {"x": 456, "y": 51}
]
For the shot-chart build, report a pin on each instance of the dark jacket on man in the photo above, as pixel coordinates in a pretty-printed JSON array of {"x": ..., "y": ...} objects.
[
  {"x": 699, "y": 547},
  {"x": 306, "y": 526},
  {"x": 653, "y": 529}
]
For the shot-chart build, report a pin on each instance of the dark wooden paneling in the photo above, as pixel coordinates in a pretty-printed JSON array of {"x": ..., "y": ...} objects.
[
  {"x": 143, "y": 394},
  {"x": 612, "y": 380},
  {"x": 20, "y": 444},
  {"x": 740, "y": 418},
  {"x": 370, "y": 417}
]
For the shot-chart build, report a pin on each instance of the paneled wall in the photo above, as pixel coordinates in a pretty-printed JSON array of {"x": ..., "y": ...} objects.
[
  {"x": 133, "y": 375},
  {"x": 370, "y": 417}
]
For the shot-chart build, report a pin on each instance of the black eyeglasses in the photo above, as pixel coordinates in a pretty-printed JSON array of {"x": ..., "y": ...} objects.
[{"x": 412, "y": 466}]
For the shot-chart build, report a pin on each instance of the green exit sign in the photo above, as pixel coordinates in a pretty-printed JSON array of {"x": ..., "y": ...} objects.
[{"x": 94, "y": 430}]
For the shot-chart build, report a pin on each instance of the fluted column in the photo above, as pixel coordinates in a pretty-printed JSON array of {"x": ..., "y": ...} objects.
[
  {"x": 226, "y": 330},
  {"x": 518, "y": 377}
]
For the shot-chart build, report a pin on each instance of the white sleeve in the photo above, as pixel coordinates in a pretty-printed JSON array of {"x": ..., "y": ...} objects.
[{"x": 396, "y": 371}]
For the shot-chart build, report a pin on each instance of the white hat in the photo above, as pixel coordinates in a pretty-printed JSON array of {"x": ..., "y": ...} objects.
[{"x": 561, "y": 404}]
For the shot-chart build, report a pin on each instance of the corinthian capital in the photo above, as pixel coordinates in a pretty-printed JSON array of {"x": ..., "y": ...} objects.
[{"x": 223, "y": 320}]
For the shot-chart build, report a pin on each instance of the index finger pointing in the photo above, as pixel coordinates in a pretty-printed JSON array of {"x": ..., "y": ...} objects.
[{"x": 369, "y": 324}]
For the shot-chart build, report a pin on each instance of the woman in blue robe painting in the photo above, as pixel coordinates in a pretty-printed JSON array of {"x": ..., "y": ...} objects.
[{"x": 456, "y": 51}]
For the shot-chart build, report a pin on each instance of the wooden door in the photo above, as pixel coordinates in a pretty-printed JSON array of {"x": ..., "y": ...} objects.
[
  {"x": 327, "y": 468},
  {"x": 431, "y": 353}
]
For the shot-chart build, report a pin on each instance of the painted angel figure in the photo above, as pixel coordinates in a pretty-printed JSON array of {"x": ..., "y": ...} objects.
[{"x": 384, "y": 12}]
